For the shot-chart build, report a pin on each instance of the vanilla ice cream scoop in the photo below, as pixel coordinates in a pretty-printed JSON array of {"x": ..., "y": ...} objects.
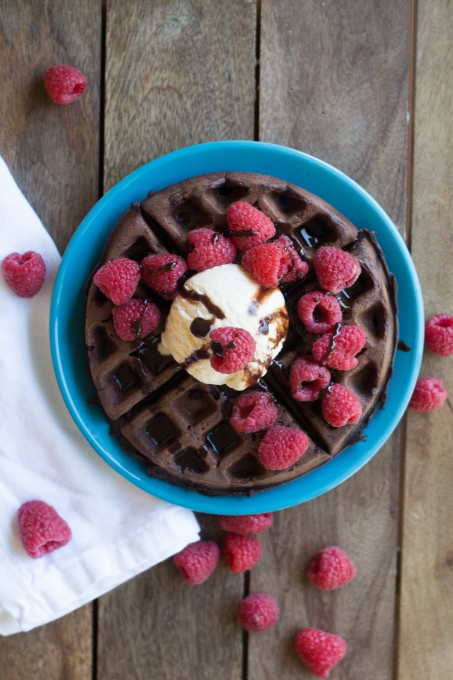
[{"x": 224, "y": 296}]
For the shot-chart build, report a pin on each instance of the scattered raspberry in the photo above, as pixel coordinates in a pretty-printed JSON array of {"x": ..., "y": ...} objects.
[
  {"x": 253, "y": 412},
  {"x": 281, "y": 447},
  {"x": 307, "y": 379},
  {"x": 319, "y": 312},
  {"x": 210, "y": 249},
  {"x": 162, "y": 273},
  {"x": 429, "y": 394},
  {"x": 232, "y": 349},
  {"x": 258, "y": 611},
  {"x": 197, "y": 561},
  {"x": 340, "y": 406},
  {"x": 319, "y": 651},
  {"x": 41, "y": 529},
  {"x": 273, "y": 263},
  {"x": 64, "y": 84},
  {"x": 335, "y": 268},
  {"x": 295, "y": 267},
  {"x": 118, "y": 279},
  {"x": 331, "y": 568},
  {"x": 241, "y": 553},
  {"x": 135, "y": 319},
  {"x": 246, "y": 524},
  {"x": 338, "y": 349},
  {"x": 25, "y": 273},
  {"x": 439, "y": 334},
  {"x": 248, "y": 226}
]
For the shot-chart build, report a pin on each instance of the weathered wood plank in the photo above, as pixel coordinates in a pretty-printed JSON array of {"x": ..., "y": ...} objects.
[
  {"x": 178, "y": 72},
  {"x": 426, "y": 617},
  {"x": 53, "y": 153},
  {"x": 333, "y": 83}
]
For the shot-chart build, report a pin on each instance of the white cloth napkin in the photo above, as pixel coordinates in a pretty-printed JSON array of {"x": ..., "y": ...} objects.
[{"x": 118, "y": 530}]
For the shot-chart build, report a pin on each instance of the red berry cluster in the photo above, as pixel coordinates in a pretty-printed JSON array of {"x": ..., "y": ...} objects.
[
  {"x": 336, "y": 346},
  {"x": 329, "y": 569}
]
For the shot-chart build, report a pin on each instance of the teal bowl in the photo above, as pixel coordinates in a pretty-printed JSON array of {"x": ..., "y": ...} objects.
[{"x": 67, "y": 315}]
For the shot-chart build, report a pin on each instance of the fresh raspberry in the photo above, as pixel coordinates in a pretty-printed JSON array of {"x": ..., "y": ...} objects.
[
  {"x": 331, "y": 568},
  {"x": 335, "y": 268},
  {"x": 307, "y": 379},
  {"x": 210, "y": 249},
  {"x": 246, "y": 524},
  {"x": 241, "y": 553},
  {"x": 429, "y": 394},
  {"x": 162, "y": 273},
  {"x": 281, "y": 447},
  {"x": 295, "y": 267},
  {"x": 135, "y": 319},
  {"x": 64, "y": 84},
  {"x": 439, "y": 334},
  {"x": 118, "y": 279},
  {"x": 197, "y": 561},
  {"x": 319, "y": 312},
  {"x": 232, "y": 349},
  {"x": 273, "y": 263},
  {"x": 320, "y": 651},
  {"x": 25, "y": 273},
  {"x": 258, "y": 611},
  {"x": 253, "y": 412},
  {"x": 338, "y": 350},
  {"x": 340, "y": 406},
  {"x": 41, "y": 529},
  {"x": 248, "y": 226}
]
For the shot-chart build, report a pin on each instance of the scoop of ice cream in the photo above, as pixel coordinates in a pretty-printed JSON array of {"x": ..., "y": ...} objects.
[{"x": 224, "y": 296}]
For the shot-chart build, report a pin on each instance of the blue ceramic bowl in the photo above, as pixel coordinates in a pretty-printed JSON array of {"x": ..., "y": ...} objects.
[{"x": 67, "y": 315}]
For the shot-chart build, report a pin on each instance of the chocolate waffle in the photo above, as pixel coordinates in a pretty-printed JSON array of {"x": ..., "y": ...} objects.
[{"x": 179, "y": 426}]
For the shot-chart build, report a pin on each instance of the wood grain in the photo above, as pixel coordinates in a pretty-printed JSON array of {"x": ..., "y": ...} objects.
[
  {"x": 53, "y": 153},
  {"x": 178, "y": 72},
  {"x": 333, "y": 83},
  {"x": 426, "y": 616}
]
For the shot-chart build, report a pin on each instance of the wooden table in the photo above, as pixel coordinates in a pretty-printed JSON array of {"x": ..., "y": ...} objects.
[{"x": 366, "y": 86}]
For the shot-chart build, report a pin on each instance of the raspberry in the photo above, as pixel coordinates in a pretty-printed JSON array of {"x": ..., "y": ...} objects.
[
  {"x": 162, "y": 273},
  {"x": 248, "y": 226},
  {"x": 41, "y": 529},
  {"x": 338, "y": 349},
  {"x": 211, "y": 249},
  {"x": 319, "y": 651},
  {"x": 340, "y": 406},
  {"x": 246, "y": 524},
  {"x": 319, "y": 312},
  {"x": 232, "y": 349},
  {"x": 281, "y": 447},
  {"x": 135, "y": 319},
  {"x": 429, "y": 394},
  {"x": 439, "y": 334},
  {"x": 258, "y": 611},
  {"x": 273, "y": 263},
  {"x": 295, "y": 267},
  {"x": 64, "y": 84},
  {"x": 331, "y": 568},
  {"x": 241, "y": 553},
  {"x": 197, "y": 561},
  {"x": 335, "y": 268},
  {"x": 253, "y": 412},
  {"x": 118, "y": 279},
  {"x": 25, "y": 273},
  {"x": 307, "y": 379}
]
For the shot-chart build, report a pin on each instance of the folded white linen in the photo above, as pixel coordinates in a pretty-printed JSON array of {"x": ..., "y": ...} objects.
[{"x": 118, "y": 530}]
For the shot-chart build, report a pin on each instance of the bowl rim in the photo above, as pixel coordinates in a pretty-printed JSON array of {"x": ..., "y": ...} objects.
[{"x": 272, "y": 499}]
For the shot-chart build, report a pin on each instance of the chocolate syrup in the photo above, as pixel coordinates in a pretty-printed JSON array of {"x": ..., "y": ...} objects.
[
  {"x": 199, "y": 354},
  {"x": 200, "y": 327},
  {"x": 403, "y": 347},
  {"x": 260, "y": 296},
  {"x": 204, "y": 299}
]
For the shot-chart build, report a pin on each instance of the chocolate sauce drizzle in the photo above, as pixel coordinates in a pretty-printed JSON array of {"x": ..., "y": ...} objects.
[
  {"x": 204, "y": 299},
  {"x": 200, "y": 327}
]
